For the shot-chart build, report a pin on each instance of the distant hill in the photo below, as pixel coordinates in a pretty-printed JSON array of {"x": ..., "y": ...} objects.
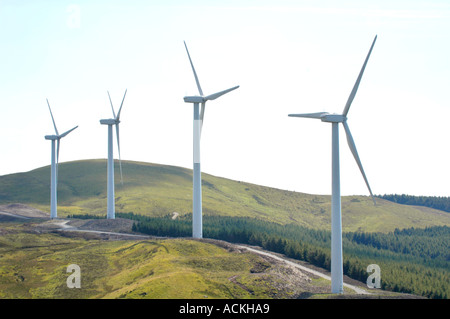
[
  {"x": 160, "y": 190},
  {"x": 437, "y": 202}
]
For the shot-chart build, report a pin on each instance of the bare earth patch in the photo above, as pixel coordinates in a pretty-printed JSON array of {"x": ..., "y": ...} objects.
[{"x": 21, "y": 210}]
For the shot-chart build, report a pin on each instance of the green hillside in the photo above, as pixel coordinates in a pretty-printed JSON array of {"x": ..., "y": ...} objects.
[
  {"x": 35, "y": 259},
  {"x": 35, "y": 266},
  {"x": 159, "y": 190}
]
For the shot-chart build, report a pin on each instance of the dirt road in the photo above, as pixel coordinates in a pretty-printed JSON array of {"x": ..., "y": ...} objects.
[
  {"x": 357, "y": 290},
  {"x": 63, "y": 226}
]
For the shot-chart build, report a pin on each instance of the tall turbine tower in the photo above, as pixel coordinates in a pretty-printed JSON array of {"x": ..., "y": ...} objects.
[
  {"x": 54, "y": 167},
  {"x": 111, "y": 213},
  {"x": 197, "y": 224},
  {"x": 336, "y": 226}
]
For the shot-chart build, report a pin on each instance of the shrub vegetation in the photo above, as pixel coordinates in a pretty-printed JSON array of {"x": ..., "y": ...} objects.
[{"x": 411, "y": 260}]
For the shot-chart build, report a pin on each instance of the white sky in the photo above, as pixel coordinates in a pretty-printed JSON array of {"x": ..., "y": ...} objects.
[{"x": 287, "y": 57}]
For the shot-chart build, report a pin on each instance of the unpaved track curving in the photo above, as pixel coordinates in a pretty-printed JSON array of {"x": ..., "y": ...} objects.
[
  {"x": 357, "y": 290},
  {"x": 65, "y": 227},
  {"x": 104, "y": 227}
]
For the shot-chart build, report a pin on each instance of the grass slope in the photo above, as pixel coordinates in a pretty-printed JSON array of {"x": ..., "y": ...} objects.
[
  {"x": 34, "y": 265},
  {"x": 159, "y": 190}
]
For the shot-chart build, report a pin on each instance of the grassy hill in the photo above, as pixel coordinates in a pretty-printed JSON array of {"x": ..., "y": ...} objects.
[
  {"x": 160, "y": 190},
  {"x": 34, "y": 265},
  {"x": 35, "y": 259}
]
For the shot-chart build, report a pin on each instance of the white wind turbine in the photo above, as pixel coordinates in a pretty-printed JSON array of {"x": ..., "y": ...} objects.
[
  {"x": 110, "y": 167},
  {"x": 336, "y": 226},
  {"x": 197, "y": 224},
  {"x": 54, "y": 166}
]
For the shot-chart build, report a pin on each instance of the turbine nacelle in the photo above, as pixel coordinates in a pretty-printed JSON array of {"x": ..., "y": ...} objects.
[
  {"x": 52, "y": 137},
  {"x": 333, "y": 118},
  {"x": 203, "y": 99},
  {"x": 323, "y": 116},
  {"x": 194, "y": 99},
  {"x": 109, "y": 122}
]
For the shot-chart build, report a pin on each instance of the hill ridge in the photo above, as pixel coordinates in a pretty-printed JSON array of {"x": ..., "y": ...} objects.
[{"x": 158, "y": 189}]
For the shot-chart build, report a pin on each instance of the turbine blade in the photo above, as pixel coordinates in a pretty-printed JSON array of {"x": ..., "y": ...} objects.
[
  {"x": 65, "y": 133},
  {"x": 358, "y": 80},
  {"x": 56, "y": 130},
  {"x": 57, "y": 160},
  {"x": 111, "y": 105},
  {"x": 120, "y": 109},
  {"x": 118, "y": 149},
  {"x": 317, "y": 115},
  {"x": 351, "y": 144},
  {"x": 202, "y": 115},
  {"x": 219, "y": 94},
  {"x": 195, "y": 73}
]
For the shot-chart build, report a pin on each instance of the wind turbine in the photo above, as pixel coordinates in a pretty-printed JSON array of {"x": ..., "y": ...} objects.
[
  {"x": 336, "y": 226},
  {"x": 197, "y": 224},
  {"x": 54, "y": 167},
  {"x": 110, "y": 169}
]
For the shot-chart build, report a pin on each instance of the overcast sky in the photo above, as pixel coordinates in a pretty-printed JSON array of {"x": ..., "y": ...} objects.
[{"x": 287, "y": 57}]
